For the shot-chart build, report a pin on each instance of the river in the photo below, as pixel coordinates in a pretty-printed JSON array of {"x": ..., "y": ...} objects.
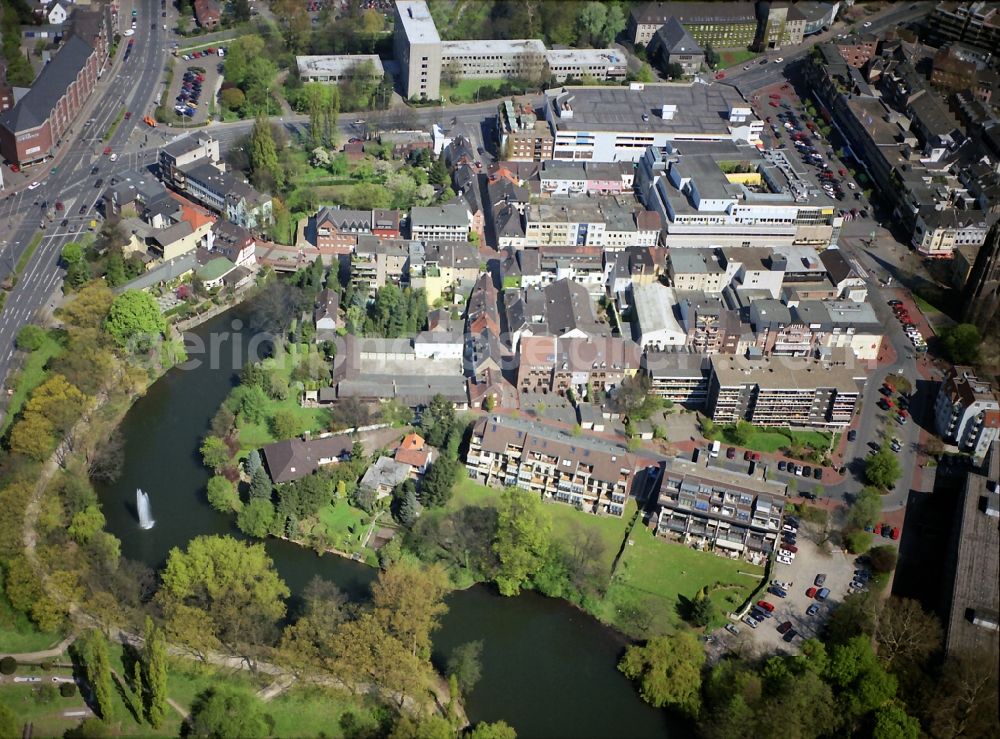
[{"x": 548, "y": 669}]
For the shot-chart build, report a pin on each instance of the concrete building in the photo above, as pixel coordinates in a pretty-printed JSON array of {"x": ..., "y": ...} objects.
[
  {"x": 975, "y": 24},
  {"x": 376, "y": 262},
  {"x": 333, "y": 69},
  {"x": 679, "y": 377},
  {"x": 585, "y": 178},
  {"x": 715, "y": 508},
  {"x": 548, "y": 364},
  {"x": 655, "y": 325},
  {"x": 339, "y": 228},
  {"x": 492, "y": 59},
  {"x": 858, "y": 49},
  {"x": 450, "y": 222},
  {"x": 731, "y": 25},
  {"x": 607, "y": 222},
  {"x": 785, "y": 391},
  {"x": 600, "y": 64},
  {"x": 705, "y": 270},
  {"x": 176, "y": 156},
  {"x": 31, "y": 130},
  {"x": 937, "y": 233},
  {"x": 207, "y": 13},
  {"x": 586, "y": 472},
  {"x": 617, "y": 124},
  {"x": 417, "y": 48},
  {"x": 966, "y": 412}
]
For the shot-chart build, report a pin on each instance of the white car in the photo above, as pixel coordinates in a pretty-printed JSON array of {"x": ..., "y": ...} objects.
[
  {"x": 782, "y": 584},
  {"x": 128, "y": 32},
  {"x": 114, "y": 157},
  {"x": 867, "y": 24},
  {"x": 779, "y": 60},
  {"x": 784, "y": 560},
  {"x": 751, "y": 621},
  {"x": 852, "y": 186},
  {"x": 747, "y": 67},
  {"x": 789, "y": 527},
  {"x": 27, "y": 679},
  {"x": 34, "y": 185},
  {"x": 786, "y": 553}
]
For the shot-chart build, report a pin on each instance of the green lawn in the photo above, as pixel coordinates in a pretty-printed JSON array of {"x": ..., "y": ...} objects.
[
  {"x": 653, "y": 573},
  {"x": 772, "y": 440},
  {"x": 735, "y": 57},
  {"x": 338, "y": 521},
  {"x": 30, "y": 377},
  {"x": 465, "y": 90}
]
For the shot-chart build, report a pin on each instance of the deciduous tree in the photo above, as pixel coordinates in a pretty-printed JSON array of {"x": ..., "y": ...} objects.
[
  {"x": 134, "y": 321},
  {"x": 224, "y": 713},
  {"x": 668, "y": 671},
  {"x": 222, "y": 495},
  {"x": 522, "y": 539}
]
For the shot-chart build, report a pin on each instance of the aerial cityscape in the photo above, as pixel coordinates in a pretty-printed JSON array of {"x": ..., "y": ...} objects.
[{"x": 483, "y": 369}]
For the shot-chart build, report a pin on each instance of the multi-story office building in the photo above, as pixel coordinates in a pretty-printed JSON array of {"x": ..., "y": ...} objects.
[
  {"x": 599, "y": 64},
  {"x": 486, "y": 59},
  {"x": 587, "y": 472},
  {"x": 417, "y": 48},
  {"x": 523, "y": 137},
  {"x": 176, "y": 156},
  {"x": 733, "y": 195},
  {"x": 785, "y": 391},
  {"x": 966, "y": 411},
  {"x": 618, "y": 124},
  {"x": 724, "y": 510},
  {"x": 337, "y": 68}
]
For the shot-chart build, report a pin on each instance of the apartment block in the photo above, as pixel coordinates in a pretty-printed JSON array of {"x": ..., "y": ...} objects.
[
  {"x": 339, "y": 228},
  {"x": 176, "y": 156},
  {"x": 523, "y": 137},
  {"x": 966, "y": 411},
  {"x": 785, "y": 391},
  {"x": 857, "y": 50},
  {"x": 975, "y": 24},
  {"x": 585, "y": 178},
  {"x": 548, "y": 364},
  {"x": 377, "y": 262},
  {"x": 450, "y": 222},
  {"x": 588, "y": 473},
  {"x": 440, "y": 268},
  {"x": 719, "y": 509},
  {"x": 609, "y": 222},
  {"x": 680, "y": 377}
]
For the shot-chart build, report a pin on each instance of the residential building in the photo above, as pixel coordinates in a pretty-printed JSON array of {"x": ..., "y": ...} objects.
[
  {"x": 587, "y": 472},
  {"x": 585, "y": 178},
  {"x": 858, "y": 49},
  {"x": 523, "y": 137},
  {"x": 975, "y": 24},
  {"x": 672, "y": 44},
  {"x": 326, "y": 313},
  {"x": 711, "y": 328},
  {"x": 654, "y": 324},
  {"x": 383, "y": 476},
  {"x": 937, "y": 233},
  {"x": 608, "y": 222},
  {"x": 949, "y": 72},
  {"x": 337, "y": 68},
  {"x": 207, "y": 13},
  {"x": 971, "y": 578},
  {"x": 705, "y": 270},
  {"x": 55, "y": 14},
  {"x": 450, "y": 222},
  {"x": 338, "y": 229},
  {"x": 618, "y": 124},
  {"x": 440, "y": 268},
  {"x": 206, "y": 181},
  {"x": 731, "y": 513},
  {"x": 680, "y": 377},
  {"x": 563, "y": 308},
  {"x": 376, "y": 262},
  {"x": 293, "y": 459},
  {"x": 785, "y": 391},
  {"x": 414, "y": 451},
  {"x": 37, "y": 123},
  {"x": 548, "y": 364},
  {"x": 218, "y": 271},
  {"x": 247, "y": 207},
  {"x": 177, "y": 155},
  {"x": 966, "y": 411},
  {"x": 234, "y": 242}
]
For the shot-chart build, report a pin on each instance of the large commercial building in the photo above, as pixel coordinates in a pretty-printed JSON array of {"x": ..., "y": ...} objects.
[
  {"x": 727, "y": 194},
  {"x": 784, "y": 391},
  {"x": 424, "y": 58},
  {"x": 966, "y": 412},
  {"x": 618, "y": 124},
  {"x": 589, "y": 473},
  {"x": 32, "y": 129}
]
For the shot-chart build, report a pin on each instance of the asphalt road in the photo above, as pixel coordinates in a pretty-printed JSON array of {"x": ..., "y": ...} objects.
[{"x": 131, "y": 84}]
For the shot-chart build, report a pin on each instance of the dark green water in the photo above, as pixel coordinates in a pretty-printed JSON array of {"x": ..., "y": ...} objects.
[{"x": 548, "y": 669}]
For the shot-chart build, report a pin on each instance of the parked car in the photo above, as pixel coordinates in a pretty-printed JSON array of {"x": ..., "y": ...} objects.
[
  {"x": 792, "y": 548},
  {"x": 895, "y": 533},
  {"x": 807, "y": 471},
  {"x": 780, "y": 592},
  {"x": 789, "y": 635},
  {"x": 782, "y": 465},
  {"x": 820, "y": 579},
  {"x": 733, "y": 629},
  {"x": 852, "y": 435},
  {"x": 731, "y": 453},
  {"x": 812, "y": 610},
  {"x": 811, "y": 592},
  {"x": 781, "y": 584},
  {"x": 783, "y": 559},
  {"x": 784, "y": 627},
  {"x": 751, "y": 622},
  {"x": 818, "y": 473},
  {"x": 823, "y": 594},
  {"x": 769, "y": 607}
]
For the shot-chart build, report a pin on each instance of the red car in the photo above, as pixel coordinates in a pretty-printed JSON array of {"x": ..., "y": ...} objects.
[
  {"x": 766, "y": 606},
  {"x": 878, "y": 529},
  {"x": 210, "y": 50},
  {"x": 894, "y": 534},
  {"x": 774, "y": 104},
  {"x": 842, "y": 172},
  {"x": 811, "y": 592},
  {"x": 720, "y": 75},
  {"x": 747, "y": 455},
  {"x": 107, "y": 150},
  {"x": 756, "y": 456},
  {"x": 774, "y": 96},
  {"x": 128, "y": 115},
  {"x": 731, "y": 453}
]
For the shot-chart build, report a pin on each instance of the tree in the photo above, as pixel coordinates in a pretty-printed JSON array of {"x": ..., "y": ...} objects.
[
  {"x": 860, "y": 682},
  {"x": 233, "y": 97},
  {"x": 857, "y": 541},
  {"x": 711, "y": 56},
  {"x": 134, "y": 321},
  {"x": 260, "y": 485},
  {"x": 86, "y": 524},
  {"x": 866, "y": 509},
  {"x": 215, "y": 453},
  {"x": 249, "y": 402},
  {"x": 591, "y": 20},
  {"x": 613, "y": 23},
  {"x": 93, "y": 651},
  {"x": 154, "y": 674},
  {"x": 668, "y": 670},
  {"x": 408, "y": 600},
  {"x": 906, "y": 634},
  {"x": 437, "y": 419},
  {"x": 89, "y": 307},
  {"x": 961, "y": 342},
  {"x": 33, "y": 436},
  {"x": 286, "y": 424},
  {"x": 522, "y": 541},
  {"x": 427, "y": 727},
  {"x": 465, "y": 664},
  {"x": 892, "y": 722},
  {"x": 264, "y": 165},
  {"x": 742, "y": 432},
  {"x": 496, "y": 730},
  {"x": 252, "y": 463},
  {"x": 408, "y": 508},
  {"x": 436, "y": 488},
  {"x": 702, "y": 610},
  {"x": 221, "y": 591},
  {"x": 222, "y": 495},
  {"x": 883, "y": 558},
  {"x": 30, "y": 338},
  {"x": 225, "y": 713},
  {"x": 882, "y": 469},
  {"x": 645, "y": 73},
  {"x": 57, "y": 401},
  {"x": 256, "y": 518}
]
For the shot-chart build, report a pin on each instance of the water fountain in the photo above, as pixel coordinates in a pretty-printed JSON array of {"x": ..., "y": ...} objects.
[{"x": 142, "y": 506}]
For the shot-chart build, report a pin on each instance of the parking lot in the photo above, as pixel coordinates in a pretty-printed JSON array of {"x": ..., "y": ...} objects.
[
  {"x": 186, "y": 88},
  {"x": 810, "y": 560}
]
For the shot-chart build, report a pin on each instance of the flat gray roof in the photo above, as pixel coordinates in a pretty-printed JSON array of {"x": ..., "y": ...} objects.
[
  {"x": 337, "y": 64},
  {"x": 418, "y": 25},
  {"x": 699, "y": 108},
  {"x": 792, "y": 373},
  {"x": 491, "y": 47}
]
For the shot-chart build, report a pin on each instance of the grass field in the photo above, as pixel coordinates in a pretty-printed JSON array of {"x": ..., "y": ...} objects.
[
  {"x": 772, "y": 440},
  {"x": 652, "y": 573},
  {"x": 30, "y": 377},
  {"x": 735, "y": 58},
  {"x": 338, "y": 521},
  {"x": 465, "y": 90}
]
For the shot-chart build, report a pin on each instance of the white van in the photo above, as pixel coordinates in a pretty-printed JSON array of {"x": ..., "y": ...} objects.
[{"x": 714, "y": 451}]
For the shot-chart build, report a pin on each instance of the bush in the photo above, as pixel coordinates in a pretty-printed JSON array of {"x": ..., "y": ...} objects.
[
  {"x": 8, "y": 665},
  {"x": 67, "y": 690},
  {"x": 883, "y": 558},
  {"x": 857, "y": 541}
]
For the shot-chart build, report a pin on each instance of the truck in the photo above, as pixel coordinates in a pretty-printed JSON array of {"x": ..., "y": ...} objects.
[{"x": 714, "y": 451}]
